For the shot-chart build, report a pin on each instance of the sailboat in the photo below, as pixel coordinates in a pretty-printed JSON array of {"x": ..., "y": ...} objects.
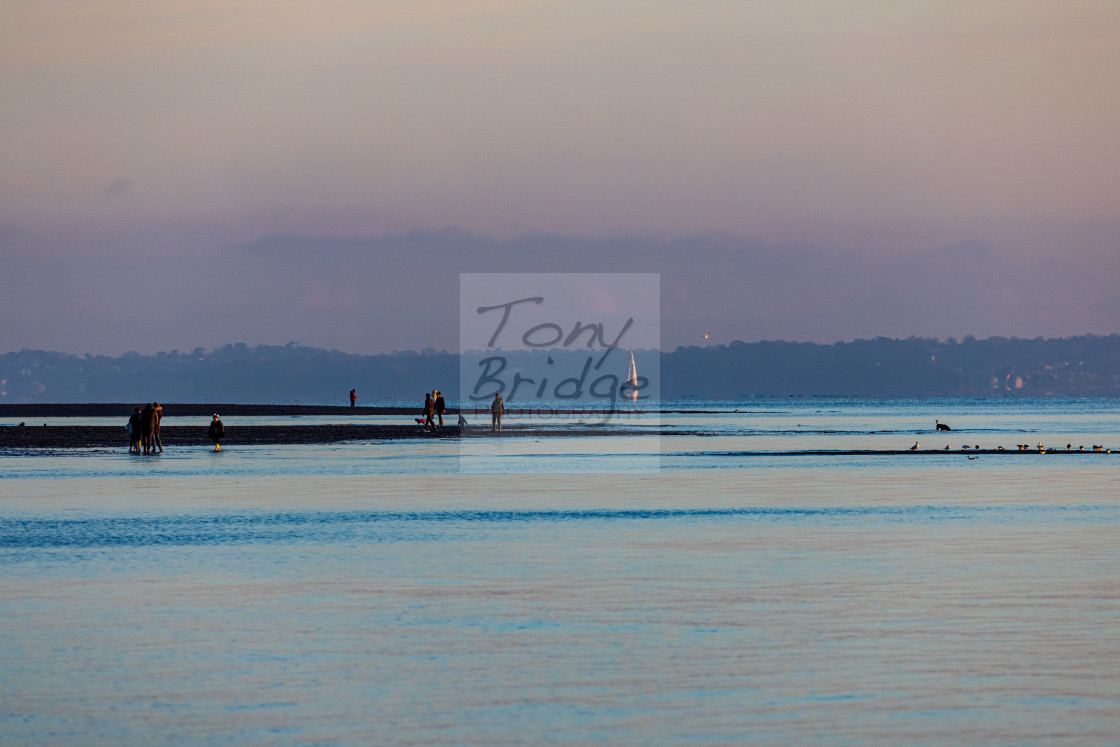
[{"x": 632, "y": 377}]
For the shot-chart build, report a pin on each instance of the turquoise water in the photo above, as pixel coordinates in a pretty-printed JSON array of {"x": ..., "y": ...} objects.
[{"x": 373, "y": 593}]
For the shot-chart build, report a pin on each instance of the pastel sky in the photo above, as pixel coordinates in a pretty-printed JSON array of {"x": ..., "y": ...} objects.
[{"x": 192, "y": 173}]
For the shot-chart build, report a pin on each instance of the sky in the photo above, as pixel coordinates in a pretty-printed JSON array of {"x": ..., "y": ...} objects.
[{"x": 196, "y": 173}]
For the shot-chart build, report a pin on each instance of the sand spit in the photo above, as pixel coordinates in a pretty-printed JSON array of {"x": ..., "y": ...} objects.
[
  {"x": 60, "y": 437},
  {"x": 100, "y": 436},
  {"x": 29, "y": 412},
  {"x": 202, "y": 410}
]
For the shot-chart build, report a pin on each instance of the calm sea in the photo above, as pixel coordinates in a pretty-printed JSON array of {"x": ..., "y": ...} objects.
[{"x": 757, "y": 584}]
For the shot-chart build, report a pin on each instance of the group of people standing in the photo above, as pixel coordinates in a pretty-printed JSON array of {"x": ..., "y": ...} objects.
[
  {"x": 143, "y": 429},
  {"x": 434, "y": 407}
]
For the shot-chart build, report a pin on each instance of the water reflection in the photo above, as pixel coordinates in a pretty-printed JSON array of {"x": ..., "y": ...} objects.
[{"x": 371, "y": 592}]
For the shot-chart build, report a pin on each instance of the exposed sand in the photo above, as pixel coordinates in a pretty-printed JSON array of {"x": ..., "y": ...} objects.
[
  {"x": 93, "y": 436},
  {"x": 54, "y": 437},
  {"x": 202, "y": 410},
  {"x": 58, "y": 437},
  {"x": 37, "y": 436}
]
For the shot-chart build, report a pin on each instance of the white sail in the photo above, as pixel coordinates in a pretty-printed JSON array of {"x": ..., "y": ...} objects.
[{"x": 632, "y": 377}]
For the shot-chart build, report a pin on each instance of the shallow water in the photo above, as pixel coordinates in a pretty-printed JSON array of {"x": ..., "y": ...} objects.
[{"x": 373, "y": 593}]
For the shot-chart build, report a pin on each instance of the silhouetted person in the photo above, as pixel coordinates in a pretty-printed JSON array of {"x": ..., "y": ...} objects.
[
  {"x": 156, "y": 441},
  {"x": 440, "y": 406},
  {"x": 497, "y": 408},
  {"x": 353, "y": 397},
  {"x": 216, "y": 432},
  {"x": 429, "y": 411},
  {"x": 147, "y": 423},
  {"x": 133, "y": 431}
]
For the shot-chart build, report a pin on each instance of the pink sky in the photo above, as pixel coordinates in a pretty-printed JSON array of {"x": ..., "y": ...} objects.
[{"x": 854, "y": 169}]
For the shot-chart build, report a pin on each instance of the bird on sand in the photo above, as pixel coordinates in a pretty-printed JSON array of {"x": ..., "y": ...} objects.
[{"x": 914, "y": 447}]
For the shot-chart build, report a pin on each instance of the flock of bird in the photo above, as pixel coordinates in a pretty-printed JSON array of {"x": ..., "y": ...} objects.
[
  {"x": 1019, "y": 447},
  {"x": 1022, "y": 447}
]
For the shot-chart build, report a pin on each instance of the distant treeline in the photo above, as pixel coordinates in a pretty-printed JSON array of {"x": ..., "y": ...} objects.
[{"x": 915, "y": 367}]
